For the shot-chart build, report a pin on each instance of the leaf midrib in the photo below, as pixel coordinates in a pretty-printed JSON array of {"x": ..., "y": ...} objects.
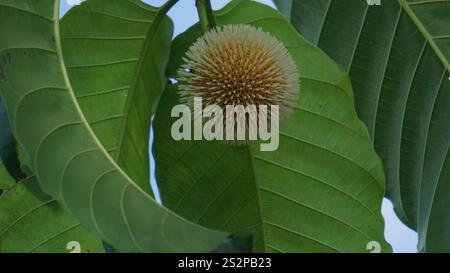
[
  {"x": 258, "y": 197},
  {"x": 59, "y": 233},
  {"x": 84, "y": 122},
  {"x": 153, "y": 29},
  {"x": 406, "y": 6}
]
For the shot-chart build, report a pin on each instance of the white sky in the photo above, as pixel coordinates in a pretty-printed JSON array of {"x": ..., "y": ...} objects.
[{"x": 184, "y": 15}]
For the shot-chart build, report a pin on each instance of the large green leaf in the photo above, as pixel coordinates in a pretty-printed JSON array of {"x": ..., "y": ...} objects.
[
  {"x": 31, "y": 221},
  {"x": 66, "y": 155},
  {"x": 321, "y": 191},
  {"x": 117, "y": 74},
  {"x": 397, "y": 55}
]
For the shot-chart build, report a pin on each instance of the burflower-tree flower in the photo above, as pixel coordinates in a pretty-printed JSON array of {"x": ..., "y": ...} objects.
[{"x": 239, "y": 65}]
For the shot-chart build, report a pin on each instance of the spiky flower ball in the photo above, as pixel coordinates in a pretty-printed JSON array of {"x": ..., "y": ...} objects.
[{"x": 239, "y": 65}]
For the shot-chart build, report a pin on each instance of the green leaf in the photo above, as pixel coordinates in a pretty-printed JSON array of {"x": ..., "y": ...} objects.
[
  {"x": 285, "y": 6},
  {"x": 6, "y": 181},
  {"x": 66, "y": 155},
  {"x": 7, "y": 153},
  {"x": 8, "y": 149},
  {"x": 321, "y": 191},
  {"x": 31, "y": 221},
  {"x": 117, "y": 74},
  {"x": 397, "y": 55}
]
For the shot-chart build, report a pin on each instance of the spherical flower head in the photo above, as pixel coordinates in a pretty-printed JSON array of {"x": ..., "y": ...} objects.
[{"x": 239, "y": 65}]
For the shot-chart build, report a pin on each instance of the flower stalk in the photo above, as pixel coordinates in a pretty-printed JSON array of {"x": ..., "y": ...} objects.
[{"x": 205, "y": 14}]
